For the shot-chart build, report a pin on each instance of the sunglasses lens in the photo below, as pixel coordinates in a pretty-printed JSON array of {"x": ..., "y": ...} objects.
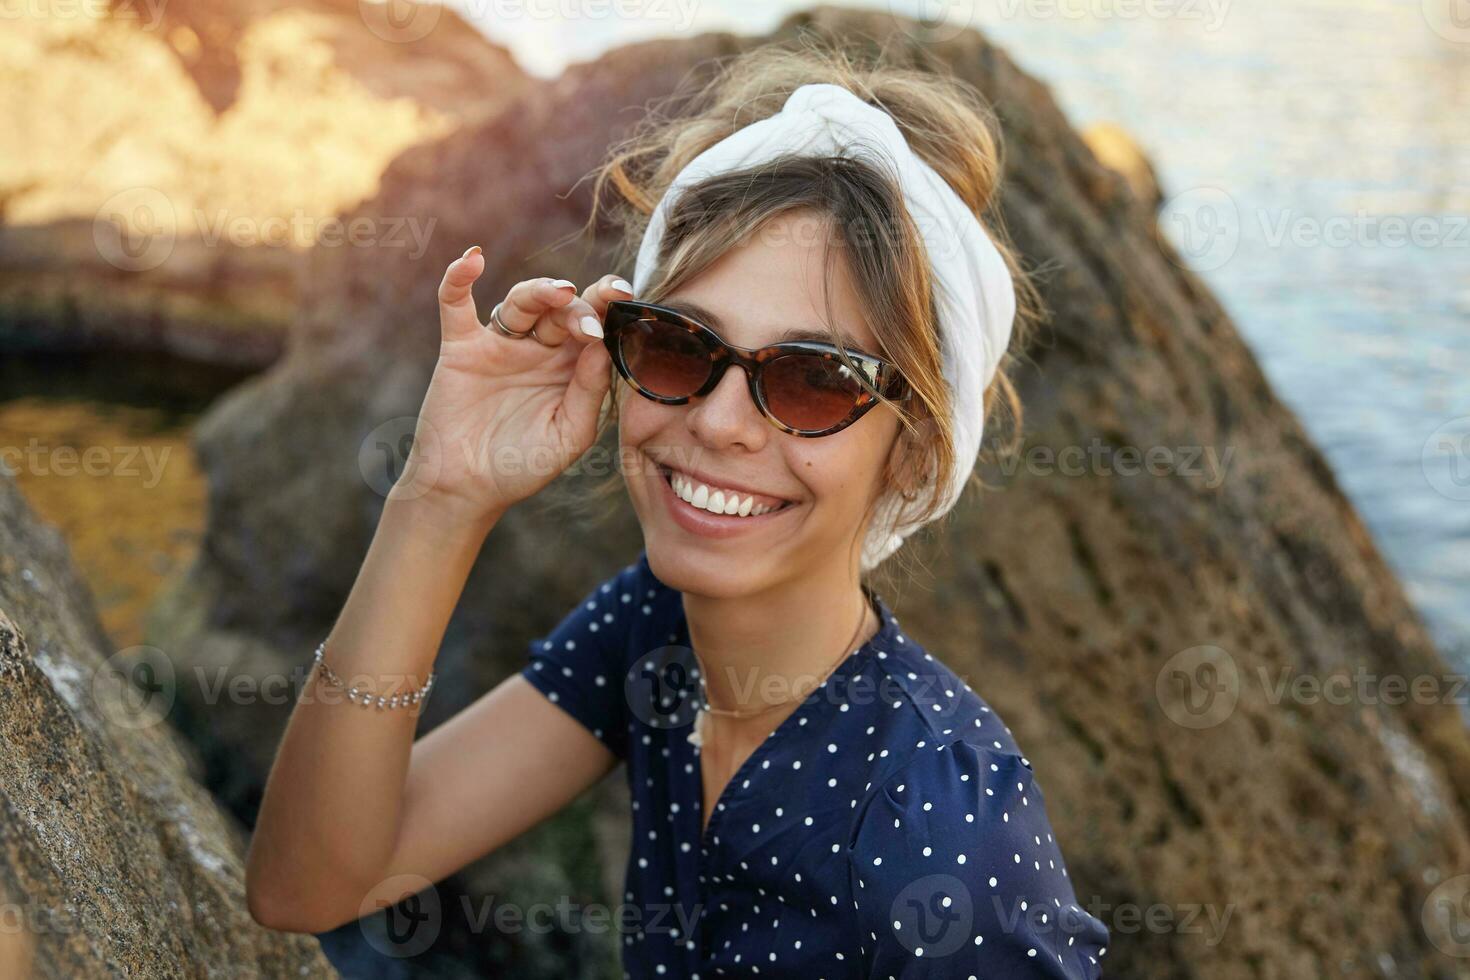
[
  {"x": 809, "y": 392},
  {"x": 664, "y": 358}
]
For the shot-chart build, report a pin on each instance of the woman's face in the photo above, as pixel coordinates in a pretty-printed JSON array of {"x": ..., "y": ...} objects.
[{"x": 758, "y": 291}]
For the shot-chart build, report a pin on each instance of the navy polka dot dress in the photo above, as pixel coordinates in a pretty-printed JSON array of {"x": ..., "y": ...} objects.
[{"x": 889, "y": 827}]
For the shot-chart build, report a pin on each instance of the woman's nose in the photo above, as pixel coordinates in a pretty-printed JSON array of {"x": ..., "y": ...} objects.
[{"x": 729, "y": 412}]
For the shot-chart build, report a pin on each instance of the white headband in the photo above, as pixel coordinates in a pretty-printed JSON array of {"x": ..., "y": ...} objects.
[{"x": 973, "y": 288}]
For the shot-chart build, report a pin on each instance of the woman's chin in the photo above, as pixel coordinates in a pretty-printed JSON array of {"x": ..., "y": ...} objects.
[{"x": 722, "y": 569}]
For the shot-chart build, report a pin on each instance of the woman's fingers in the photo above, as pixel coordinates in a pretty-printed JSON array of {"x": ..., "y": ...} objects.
[
  {"x": 550, "y": 305},
  {"x": 457, "y": 316},
  {"x": 582, "y": 318},
  {"x": 527, "y": 305},
  {"x": 604, "y": 291},
  {"x": 579, "y": 320},
  {"x": 582, "y": 402}
]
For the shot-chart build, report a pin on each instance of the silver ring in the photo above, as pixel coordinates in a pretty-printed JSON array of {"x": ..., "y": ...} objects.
[{"x": 499, "y": 325}]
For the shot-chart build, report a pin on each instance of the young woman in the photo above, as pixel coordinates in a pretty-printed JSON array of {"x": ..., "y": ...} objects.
[{"x": 820, "y": 325}]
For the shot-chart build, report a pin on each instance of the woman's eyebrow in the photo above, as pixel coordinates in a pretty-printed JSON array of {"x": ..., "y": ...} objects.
[
  {"x": 710, "y": 319},
  {"x": 807, "y": 333}
]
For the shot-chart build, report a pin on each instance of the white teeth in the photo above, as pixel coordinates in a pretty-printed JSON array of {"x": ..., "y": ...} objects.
[{"x": 716, "y": 501}]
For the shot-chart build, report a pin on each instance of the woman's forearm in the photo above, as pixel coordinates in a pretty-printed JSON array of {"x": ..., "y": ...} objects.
[{"x": 334, "y": 799}]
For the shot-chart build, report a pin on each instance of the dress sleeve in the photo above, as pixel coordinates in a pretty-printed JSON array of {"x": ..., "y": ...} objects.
[
  {"x": 581, "y": 665},
  {"x": 955, "y": 873}
]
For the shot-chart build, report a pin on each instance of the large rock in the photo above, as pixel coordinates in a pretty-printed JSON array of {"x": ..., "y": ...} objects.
[
  {"x": 114, "y": 861},
  {"x": 164, "y": 166},
  {"x": 1075, "y": 598}
]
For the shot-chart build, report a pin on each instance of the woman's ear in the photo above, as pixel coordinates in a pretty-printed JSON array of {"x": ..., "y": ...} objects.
[{"x": 902, "y": 465}]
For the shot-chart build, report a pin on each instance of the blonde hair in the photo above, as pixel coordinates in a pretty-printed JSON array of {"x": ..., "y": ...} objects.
[{"x": 944, "y": 120}]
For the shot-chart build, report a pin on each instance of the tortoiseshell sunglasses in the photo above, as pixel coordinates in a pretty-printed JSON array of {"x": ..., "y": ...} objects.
[{"x": 802, "y": 386}]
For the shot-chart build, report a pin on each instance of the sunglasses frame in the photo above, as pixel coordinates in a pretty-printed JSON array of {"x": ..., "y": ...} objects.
[{"x": 874, "y": 373}]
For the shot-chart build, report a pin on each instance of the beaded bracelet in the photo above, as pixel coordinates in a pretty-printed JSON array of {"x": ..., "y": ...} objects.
[{"x": 368, "y": 700}]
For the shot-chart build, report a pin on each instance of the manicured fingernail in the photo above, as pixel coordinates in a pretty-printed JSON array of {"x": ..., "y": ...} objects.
[
  {"x": 622, "y": 284},
  {"x": 591, "y": 327},
  {"x": 563, "y": 283},
  {"x": 473, "y": 249}
]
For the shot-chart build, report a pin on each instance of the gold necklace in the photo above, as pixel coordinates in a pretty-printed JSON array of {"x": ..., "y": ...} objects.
[{"x": 696, "y": 737}]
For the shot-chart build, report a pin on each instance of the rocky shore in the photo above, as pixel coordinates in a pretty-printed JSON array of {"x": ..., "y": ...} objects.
[{"x": 1279, "y": 835}]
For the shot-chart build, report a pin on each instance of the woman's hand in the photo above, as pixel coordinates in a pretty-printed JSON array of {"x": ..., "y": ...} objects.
[{"x": 503, "y": 417}]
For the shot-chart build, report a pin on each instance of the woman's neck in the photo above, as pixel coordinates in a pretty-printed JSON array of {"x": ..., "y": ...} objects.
[{"x": 773, "y": 648}]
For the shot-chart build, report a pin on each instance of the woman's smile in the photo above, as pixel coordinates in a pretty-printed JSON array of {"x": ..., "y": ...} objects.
[{"x": 716, "y": 511}]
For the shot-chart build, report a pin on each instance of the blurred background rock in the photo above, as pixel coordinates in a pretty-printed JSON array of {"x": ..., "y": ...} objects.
[{"x": 222, "y": 229}]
